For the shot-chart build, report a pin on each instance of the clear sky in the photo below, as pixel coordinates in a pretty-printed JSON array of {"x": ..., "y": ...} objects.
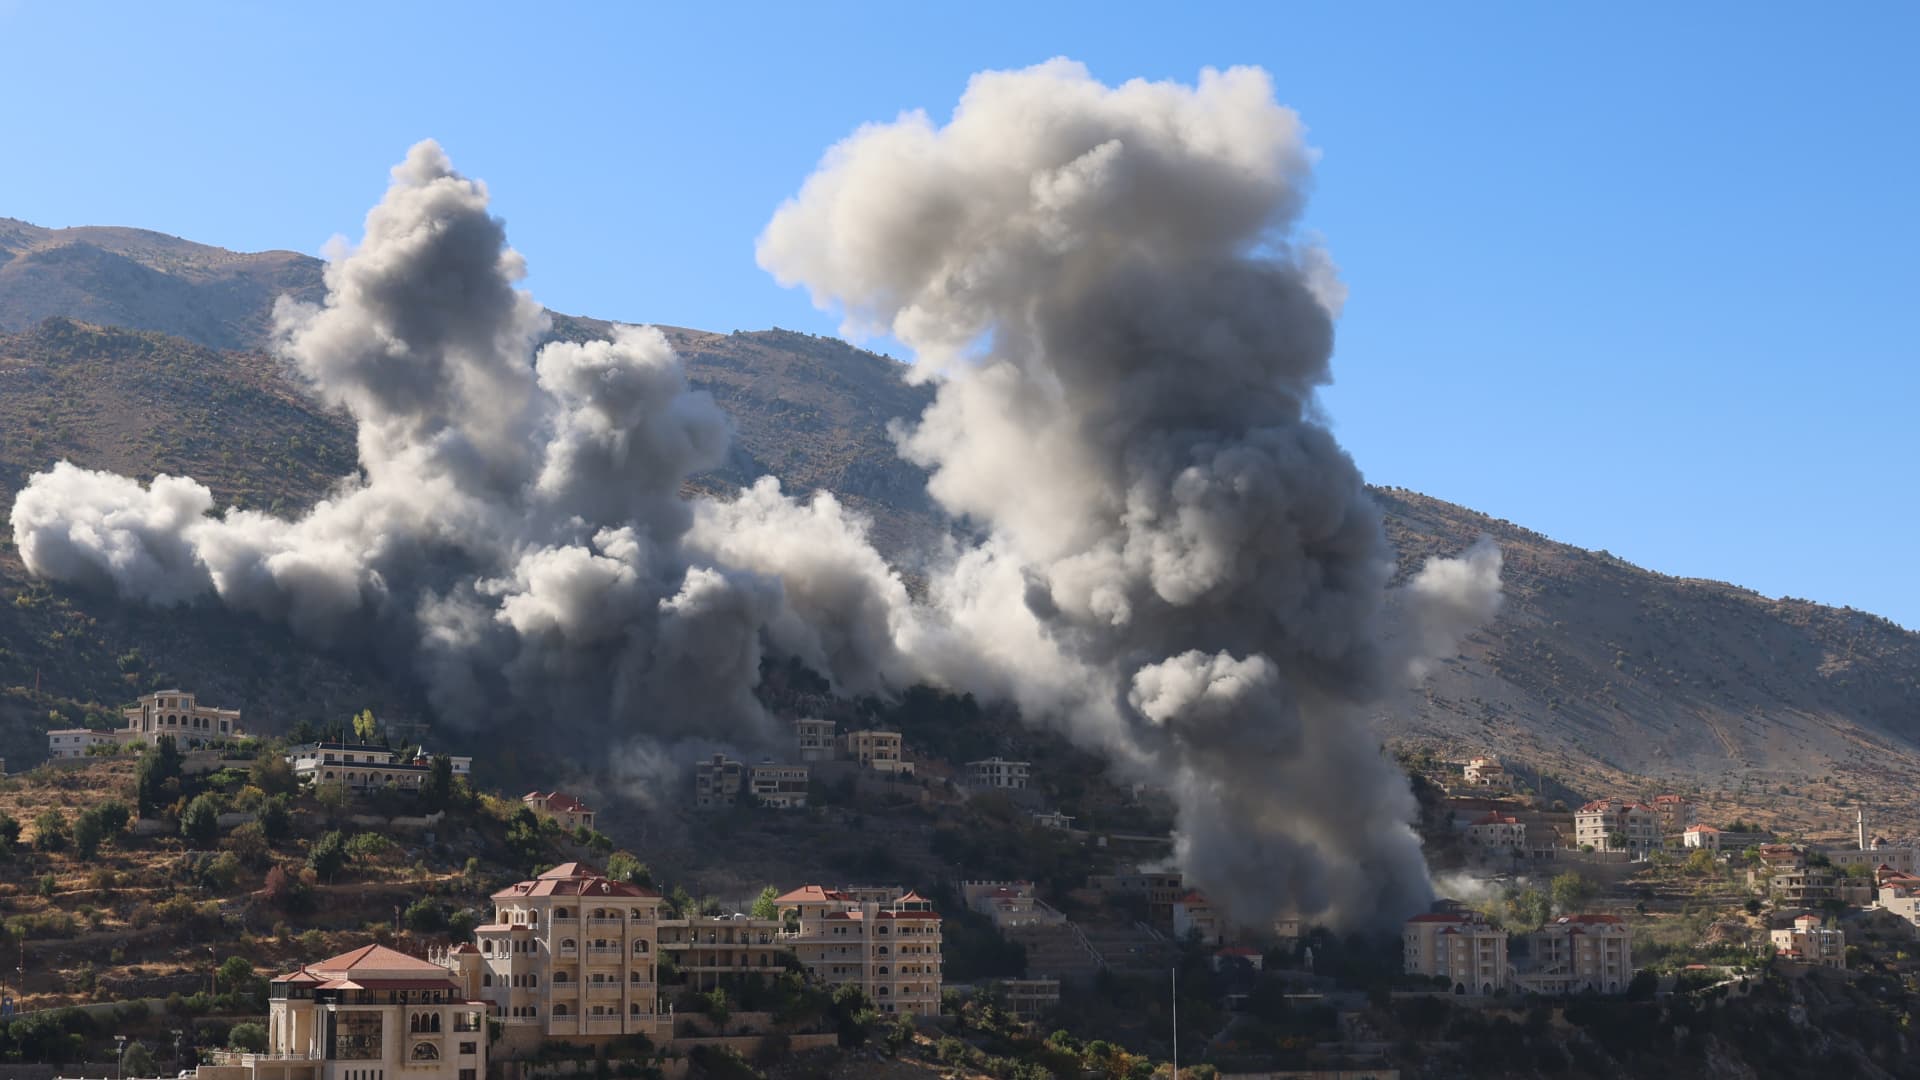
[{"x": 1642, "y": 277}]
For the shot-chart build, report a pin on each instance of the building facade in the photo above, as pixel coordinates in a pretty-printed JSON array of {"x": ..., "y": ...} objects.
[
  {"x": 569, "y": 955},
  {"x": 1810, "y": 943},
  {"x": 1486, "y": 772},
  {"x": 1602, "y": 823},
  {"x": 991, "y": 774},
  {"x": 1676, "y": 813},
  {"x": 364, "y": 767},
  {"x": 890, "y": 949},
  {"x": 781, "y": 787},
  {"x": 370, "y": 1014},
  {"x": 717, "y": 782},
  {"x": 1499, "y": 832},
  {"x": 1701, "y": 836},
  {"x": 1194, "y": 915},
  {"x": 565, "y": 810},
  {"x": 1459, "y": 947},
  {"x": 179, "y": 714},
  {"x": 814, "y": 739},
  {"x": 1577, "y": 954},
  {"x": 77, "y": 742},
  {"x": 881, "y": 751}
]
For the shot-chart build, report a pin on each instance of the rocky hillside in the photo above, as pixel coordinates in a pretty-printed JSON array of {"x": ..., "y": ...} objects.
[{"x": 1596, "y": 672}]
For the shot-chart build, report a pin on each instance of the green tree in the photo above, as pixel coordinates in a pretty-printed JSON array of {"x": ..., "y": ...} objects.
[
  {"x": 157, "y": 777},
  {"x": 236, "y": 974},
  {"x": 367, "y": 846},
  {"x": 276, "y": 818},
  {"x": 332, "y": 796},
  {"x": 50, "y": 831},
  {"x": 273, "y": 774},
  {"x": 88, "y": 833},
  {"x": 249, "y": 1036},
  {"x": 9, "y": 835},
  {"x": 1528, "y": 909},
  {"x": 365, "y": 727},
  {"x": 426, "y": 916},
  {"x": 625, "y": 866},
  {"x": 200, "y": 821},
  {"x": 1571, "y": 892},
  {"x": 328, "y": 855},
  {"x": 136, "y": 1060},
  {"x": 437, "y": 794},
  {"x": 764, "y": 906}
]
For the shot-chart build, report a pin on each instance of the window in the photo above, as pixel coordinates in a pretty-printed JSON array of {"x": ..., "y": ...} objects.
[
  {"x": 486, "y": 979},
  {"x": 469, "y": 1048},
  {"x": 426, "y": 1051},
  {"x": 533, "y": 980},
  {"x": 640, "y": 948}
]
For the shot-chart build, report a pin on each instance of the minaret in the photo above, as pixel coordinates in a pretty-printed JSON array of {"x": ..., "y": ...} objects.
[{"x": 1860, "y": 827}]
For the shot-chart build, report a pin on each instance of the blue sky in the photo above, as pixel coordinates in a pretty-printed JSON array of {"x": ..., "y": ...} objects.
[{"x": 1641, "y": 277}]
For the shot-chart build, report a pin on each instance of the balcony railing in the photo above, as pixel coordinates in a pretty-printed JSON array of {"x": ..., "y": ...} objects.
[
  {"x": 603, "y": 990},
  {"x": 606, "y": 923},
  {"x": 567, "y": 952},
  {"x": 608, "y": 955}
]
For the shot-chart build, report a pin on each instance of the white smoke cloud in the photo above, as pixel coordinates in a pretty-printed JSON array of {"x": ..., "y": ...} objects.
[{"x": 1183, "y": 568}]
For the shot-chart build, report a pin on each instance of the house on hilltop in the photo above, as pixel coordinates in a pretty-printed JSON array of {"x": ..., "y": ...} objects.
[{"x": 570, "y": 813}]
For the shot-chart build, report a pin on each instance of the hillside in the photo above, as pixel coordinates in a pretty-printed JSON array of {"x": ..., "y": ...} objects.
[{"x": 1597, "y": 670}]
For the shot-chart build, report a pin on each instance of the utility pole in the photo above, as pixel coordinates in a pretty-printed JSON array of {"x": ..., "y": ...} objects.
[
  {"x": 1176, "y": 1024},
  {"x": 119, "y": 1055}
]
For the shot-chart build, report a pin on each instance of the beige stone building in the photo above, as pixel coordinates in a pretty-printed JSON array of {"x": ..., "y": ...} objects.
[
  {"x": 1497, "y": 832},
  {"x": 565, "y": 810},
  {"x": 1486, "y": 772},
  {"x": 370, "y": 1014},
  {"x": 569, "y": 955},
  {"x": 63, "y": 743},
  {"x": 1701, "y": 836},
  {"x": 1810, "y": 943},
  {"x": 1676, "y": 812},
  {"x": 891, "y": 949},
  {"x": 717, "y": 782},
  {"x": 1458, "y": 946},
  {"x": 1598, "y": 823},
  {"x": 364, "y": 767},
  {"x": 1576, "y": 954},
  {"x": 164, "y": 712},
  {"x": 881, "y": 751}
]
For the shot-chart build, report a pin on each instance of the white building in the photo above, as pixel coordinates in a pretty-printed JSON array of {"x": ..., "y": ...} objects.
[
  {"x": 363, "y": 767},
  {"x": 1497, "y": 832},
  {"x": 1194, "y": 914},
  {"x": 881, "y": 751},
  {"x": 998, "y": 773},
  {"x": 76, "y": 742},
  {"x": 1900, "y": 894},
  {"x": 1010, "y": 904},
  {"x": 165, "y": 712},
  {"x": 1601, "y": 822},
  {"x": 1810, "y": 943},
  {"x": 815, "y": 739},
  {"x": 1701, "y": 836},
  {"x": 1457, "y": 946},
  {"x": 1486, "y": 772}
]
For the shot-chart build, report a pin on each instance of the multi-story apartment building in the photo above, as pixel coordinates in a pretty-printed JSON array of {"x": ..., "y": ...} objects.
[
  {"x": 569, "y": 955},
  {"x": 565, "y": 810},
  {"x": 1804, "y": 886},
  {"x": 1600, "y": 822},
  {"x": 1485, "y": 772},
  {"x": 881, "y": 751},
  {"x": 1810, "y": 943},
  {"x": 998, "y": 774},
  {"x": 891, "y": 949},
  {"x": 370, "y": 1014},
  {"x": 782, "y": 787},
  {"x": 1575, "y": 954},
  {"x": 1676, "y": 813},
  {"x": 1459, "y": 947},
  {"x": 814, "y": 739},
  {"x": 1160, "y": 887},
  {"x": 1195, "y": 915},
  {"x": 363, "y": 767},
  {"x": 1010, "y": 904},
  {"x": 1497, "y": 832},
  {"x": 717, "y": 782}
]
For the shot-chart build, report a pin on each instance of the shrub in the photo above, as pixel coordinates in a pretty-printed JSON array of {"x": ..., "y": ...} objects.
[
  {"x": 200, "y": 822},
  {"x": 50, "y": 831},
  {"x": 426, "y": 916},
  {"x": 248, "y": 1036},
  {"x": 328, "y": 855}
]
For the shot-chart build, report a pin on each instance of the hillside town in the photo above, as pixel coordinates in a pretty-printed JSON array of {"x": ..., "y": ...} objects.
[{"x": 1623, "y": 896}]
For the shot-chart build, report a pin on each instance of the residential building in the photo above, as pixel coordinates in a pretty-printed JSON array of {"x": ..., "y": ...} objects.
[
  {"x": 1881, "y": 852},
  {"x": 1603, "y": 822},
  {"x": 1701, "y": 836},
  {"x": 782, "y": 787},
  {"x": 1160, "y": 887},
  {"x": 1459, "y": 947},
  {"x": 1486, "y": 772},
  {"x": 1782, "y": 856},
  {"x": 1031, "y": 999},
  {"x": 569, "y": 812},
  {"x": 717, "y": 782},
  {"x": 76, "y": 742},
  {"x": 568, "y": 955},
  {"x": 881, "y": 751},
  {"x": 1010, "y": 904},
  {"x": 1676, "y": 813},
  {"x": 179, "y": 714},
  {"x": 368, "y": 1014},
  {"x": 889, "y": 949},
  {"x": 706, "y": 947},
  {"x": 1497, "y": 832},
  {"x": 1194, "y": 914},
  {"x": 1804, "y": 886},
  {"x": 1052, "y": 819},
  {"x": 995, "y": 773},
  {"x": 1576, "y": 954},
  {"x": 815, "y": 739},
  {"x": 364, "y": 767},
  {"x": 1810, "y": 943},
  {"x": 1898, "y": 893}
]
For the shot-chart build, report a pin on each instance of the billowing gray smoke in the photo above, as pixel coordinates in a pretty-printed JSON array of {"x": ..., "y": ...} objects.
[
  {"x": 1182, "y": 568},
  {"x": 1177, "y": 564}
]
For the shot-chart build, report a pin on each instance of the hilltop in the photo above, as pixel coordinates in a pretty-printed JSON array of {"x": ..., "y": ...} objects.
[{"x": 1595, "y": 669}]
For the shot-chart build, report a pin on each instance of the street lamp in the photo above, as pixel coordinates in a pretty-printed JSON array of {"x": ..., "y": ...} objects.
[
  {"x": 213, "y": 974},
  {"x": 119, "y": 1055}
]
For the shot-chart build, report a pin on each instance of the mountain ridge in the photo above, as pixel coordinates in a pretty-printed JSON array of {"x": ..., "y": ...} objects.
[{"x": 1597, "y": 669}]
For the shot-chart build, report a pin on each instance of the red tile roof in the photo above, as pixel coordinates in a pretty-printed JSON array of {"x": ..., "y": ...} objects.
[
  {"x": 574, "y": 879},
  {"x": 811, "y": 894},
  {"x": 558, "y": 802},
  {"x": 376, "y": 958}
]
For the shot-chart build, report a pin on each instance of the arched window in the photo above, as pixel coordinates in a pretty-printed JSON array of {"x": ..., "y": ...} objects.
[
  {"x": 883, "y": 990},
  {"x": 426, "y": 1051},
  {"x": 560, "y": 977},
  {"x": 568, "y": 943},
  {"x": 560, "y": 1009},
  {"x": 633, "y": 977},
  {"x": 633, "y": 1009},
  {"x": 561, "y": 913},
  {"x": 883, "y": 950},
  {"x": 883, "y": 969},
  {"x": 533, "y": 918},
  {"x": 435, "y": 1022},
  {"x": 639, "y": 948},
  {"x": 534, "y": 979}
]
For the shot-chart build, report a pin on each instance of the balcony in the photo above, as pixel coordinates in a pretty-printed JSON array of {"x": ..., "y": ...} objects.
[
  {"x": 567, "y": 953},
  {"x": 604, "y": 1024},
  {"x": 611, "y": 954},
  {"x": 603, "y": 990},
  {"x": 606, "y": 924}
]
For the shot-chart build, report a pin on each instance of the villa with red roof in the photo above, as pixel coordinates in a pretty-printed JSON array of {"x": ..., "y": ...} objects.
[
  {"x": 568, "y": 811},
  {"x": 1616, "y": 825},
  {"x": 371, "y": 1014}
]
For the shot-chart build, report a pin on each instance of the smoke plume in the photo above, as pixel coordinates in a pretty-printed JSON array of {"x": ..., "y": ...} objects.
[
  {"x": 1173, "y": 562},
  {"x": 1182, "y": 567}
]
